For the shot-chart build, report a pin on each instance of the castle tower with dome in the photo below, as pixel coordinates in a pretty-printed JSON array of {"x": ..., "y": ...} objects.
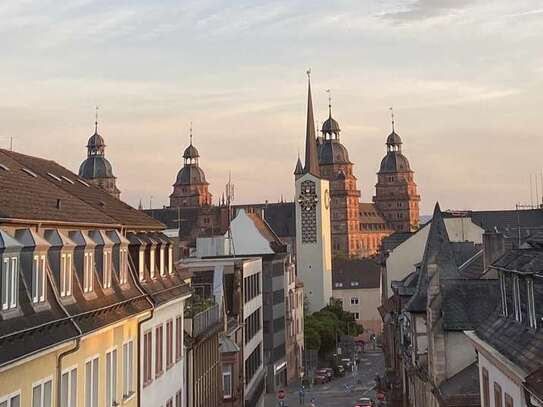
[
  {"x": 96, "y": 169},
  {"x": 191, "y": 189}
]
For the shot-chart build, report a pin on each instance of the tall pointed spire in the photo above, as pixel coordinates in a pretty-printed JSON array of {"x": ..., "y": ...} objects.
[{"x": 311, "y": 156}]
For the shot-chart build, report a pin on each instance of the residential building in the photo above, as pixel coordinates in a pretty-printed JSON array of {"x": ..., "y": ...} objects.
[
  {"x": 313, "y": 234},
  {"x": 357, "y": 285},
  {"x": 510, "y": 343}
]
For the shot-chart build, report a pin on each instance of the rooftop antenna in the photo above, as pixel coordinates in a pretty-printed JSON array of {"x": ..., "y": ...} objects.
[
  {"x": 11, "y": 143},
  {"x": 96, "y": 120},
  {"x": 531, "y": 192},
  {"x": 392, "y": 117},
  {"x": 229, "y": 192},
  {"x": 536, "y": 191},
  {"x": 541, "y": 180}
]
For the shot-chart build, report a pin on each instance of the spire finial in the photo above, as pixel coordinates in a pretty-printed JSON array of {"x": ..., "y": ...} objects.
[
  {"x": 329, "y": 102},
  {"x": 308, "y": 72},
  {"x": 96, "y": 120},
  {"x": 190, "y": 133},
  {"x": 392, "y": 117}
]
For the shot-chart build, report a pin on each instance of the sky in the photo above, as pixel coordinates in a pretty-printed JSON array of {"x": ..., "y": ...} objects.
[{"x": 465, "y": 79}]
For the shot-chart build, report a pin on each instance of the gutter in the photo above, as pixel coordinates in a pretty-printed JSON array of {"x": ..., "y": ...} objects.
[{"x": 60, "y": 223}]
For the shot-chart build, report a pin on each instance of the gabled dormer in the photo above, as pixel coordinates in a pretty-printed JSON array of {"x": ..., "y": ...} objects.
[
  {"x": 164, "y": 261},
  {"x": 136, "y": 249},
  {"x": 120, "y": 256},
  {"x": 61, "y": 260},
  {"x": 84, "y": 261},
  {"x": 10, "y": 251},
  {"x": 34, "y": 264},
  {"x": 103, "y": 254}
]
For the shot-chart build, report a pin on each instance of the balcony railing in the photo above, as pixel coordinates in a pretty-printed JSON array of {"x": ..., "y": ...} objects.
[{"x": 204, "y": 320}]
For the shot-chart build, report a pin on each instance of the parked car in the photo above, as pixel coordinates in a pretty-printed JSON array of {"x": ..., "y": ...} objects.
[
  {"x": 322, "y": 373},
  {"x": 320, "y": 378},
  {"x": 339, "y": 371},
  {"x": 347, "y": 363},
  {"x": 329, "y": 372},
  {"x": 364, "y": 402}
]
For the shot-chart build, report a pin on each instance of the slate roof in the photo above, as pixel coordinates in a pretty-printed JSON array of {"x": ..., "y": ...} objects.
[
  {"x": 389, "y": 243},
  {"x": 462, "y": 389},
  {"x": 467, "y": 303},
  {"x": 365, "y": 272},
  {"x": 44, "y": 197},
  {"x": 534, "y": 383}
]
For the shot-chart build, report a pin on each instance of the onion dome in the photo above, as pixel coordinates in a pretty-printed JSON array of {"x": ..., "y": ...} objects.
[
  {"x": 330, "y": 125},
  {"x": 191, "y": 152},
  {"x": 394, "y": 161},
  {"x": 394, "y": 139},
  {"x": 190, "y": 175},
  {"x": 333, "y": 152},
  {"x": 95, "y": 166}
]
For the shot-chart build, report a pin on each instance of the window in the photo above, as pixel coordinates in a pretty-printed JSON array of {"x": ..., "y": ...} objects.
[
  {"x": 159, "y": 338},
  {"x": 68, "y": 388},
  {"x": 179, "y": 398},
  {"x": 486, "y": 388},
  {"x": 38, "y": 279},
  {"x": 497, "y": 395},
  {"x": 123, "y": 267},
  {"x": 88, "y": 273},
  {"x": 178, "y": 337},
  {"x": 91, "y": 383},
  {"x": 162, "y": 265},
  {"x": 9, "y": 284},
  {"x": 169, "y": 403},
  {"x": 357, "y": 316},
  {"x": 170, "y": 260},
  {"x": 531, "y": 303},
  {"x": 66, "y": 274},
  {"x": 339, "y": 285},
  {"x": 152, "y": 263},
  {"x": 107, "y": 269},
  {"x": 111, "y": 378},
  {"x": 227, "y": 381},
  {"x": 169, "y": 344},
  {"x": 13, "y": 400},
  {"x": 252, "y": 325},
  {"x": 252, "y": 364},
  {"x": 41, "y": 394},
  {"x": 509, "y": 401},
  {"x": 147, "y": 357},
  {"x": 354, "y": 283},
  {"x": 128, "y": 369},
  {"x": 141, "y": 264},
  {"x": 354, "y": 301}
]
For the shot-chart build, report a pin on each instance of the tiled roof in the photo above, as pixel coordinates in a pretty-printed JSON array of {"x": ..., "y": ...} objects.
[
  {"x": 394, "y": 240},
  {"x": 534, "y": 383},
  {"x": 50, "y": 192},
  {"x": 525, "y": 261},
  {"x": 365, "y": 273},
  {"x": 462, "y": 389}
]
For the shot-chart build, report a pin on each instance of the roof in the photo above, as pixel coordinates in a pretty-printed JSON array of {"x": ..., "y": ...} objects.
[
  {"x": 332, "y": 152},
  {"x": 393, "y": 162},
  {"x": 365, "y": 273},
  {"x": 267, "y": 233},
  {"x": 96, "y": 141},
  {"x": 96, "y": 166},
  {"x": 467, "y": 303},
  {"x": 529, "y": 220},
  {"x": 330, "y": 125},
  {"x": 524, "y": 261},
  {"x": 370, "y": 214},
  {"x": 46, "y": 191},
  {"x": 190, "y": 174},
  {"x": 227, "y": 345},
  {"x": 392, "y": 241},
  {"x": 534, "y": 383},
  {"x": 393, "y": 139},
  {"x": 462, "y": 389},
  {"x": 191, "y": 152},
  {"x": 311, "y": 155}
]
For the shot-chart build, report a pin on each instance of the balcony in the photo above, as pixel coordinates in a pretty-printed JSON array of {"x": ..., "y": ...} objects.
[{"x": 201, "y": 318}]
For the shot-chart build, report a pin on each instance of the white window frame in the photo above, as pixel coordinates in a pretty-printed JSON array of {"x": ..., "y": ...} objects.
[
  {"x": 88, "y": 272},
  {"x": 111, "y": 376},
  {"x": 123, "y": 266},
  {"x": 128, "y": 368},
  {"x": 89, "y": 393},
  {"x": 10, "y": 283},
  {"x": 170, "y": 260},
  {"x": 39, "y": 266},
  {"x": 141, "y": 264},
  {"x": 162, "y": 265},
  {"x": 65, "y": 274},
  {"x": 107, "y": 260},
  {"x": 70, "y": 397},
  {"x": 516, "y": 297},
  {"x": 355, "y": 301},
  {"x": 503, "y": 289},
  {"x": 152, "y": 263},
  {"x": 41, "y": 383},
  {"x": 532, "y": 317},
  {"x": 9, "y": 398},
  {"x": 228, "y": 374},
  {"x": 356, "y": 315}
]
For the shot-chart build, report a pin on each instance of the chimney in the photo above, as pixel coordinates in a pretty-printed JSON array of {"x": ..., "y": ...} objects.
[{"x": 493, "y": 247}]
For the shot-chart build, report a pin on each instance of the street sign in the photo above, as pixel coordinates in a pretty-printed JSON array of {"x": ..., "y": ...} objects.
[{"x": 281, "y": 394}]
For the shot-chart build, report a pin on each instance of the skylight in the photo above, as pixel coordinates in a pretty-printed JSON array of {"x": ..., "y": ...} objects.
[
  {"x": 54, "y": 177},
  {"x": 67, "y": 179},
  {"x": 82, "y": 182},
  {"x": 29, "y": 172},
  {"x": 4, "y": 167}
]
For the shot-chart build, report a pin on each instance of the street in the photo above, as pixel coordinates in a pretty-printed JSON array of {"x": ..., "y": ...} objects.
[{"x": 340, "y": 392}]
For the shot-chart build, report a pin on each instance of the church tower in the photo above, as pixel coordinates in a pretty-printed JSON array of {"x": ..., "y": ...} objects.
[
  {"x": 96, "y": 169},
  {"x": 396, "y": 192},
  {"x": 336, "y": 167},
  {"x": 191, "y": 189},
  {"x": 313, "y": 237}
]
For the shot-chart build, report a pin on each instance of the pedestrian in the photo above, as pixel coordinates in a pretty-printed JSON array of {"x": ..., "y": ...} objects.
[{"x": 301, "y": 393}]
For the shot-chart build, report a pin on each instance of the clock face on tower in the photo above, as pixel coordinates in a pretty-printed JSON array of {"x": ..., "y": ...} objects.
[{"x": 308, "y": 204}]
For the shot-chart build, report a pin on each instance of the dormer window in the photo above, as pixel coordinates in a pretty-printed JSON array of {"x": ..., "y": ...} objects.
[
  {"x": 516, "y": 298},
  {"x": 10, "y": 284},
  {"x": 66, "y": 274},
  {"x": 170, "y": 260},
  {"x": 38, "y": 278},
  {"x": 152, "y": 263},
  {"x": 162, "y": 265},
  {"x": 531, "y": 303},
  {"x": 123, "y": 267},
  {"x": 141, "y": 265},
  {"x": 87, "y": 273},
  {"x": 107, "y": 269}
]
